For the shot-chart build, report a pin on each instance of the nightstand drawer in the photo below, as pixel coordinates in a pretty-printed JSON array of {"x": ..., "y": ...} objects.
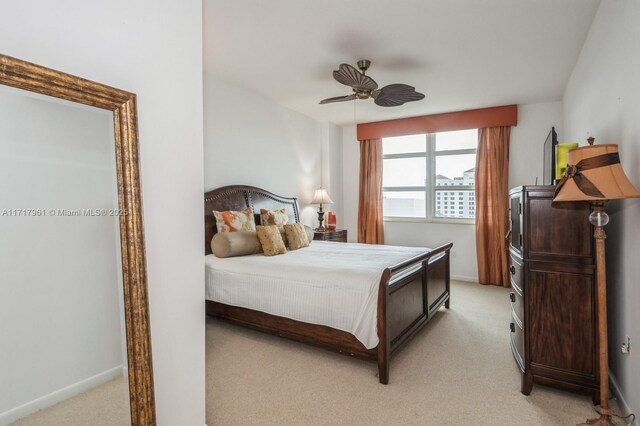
[{"x": 339, "y": 235}]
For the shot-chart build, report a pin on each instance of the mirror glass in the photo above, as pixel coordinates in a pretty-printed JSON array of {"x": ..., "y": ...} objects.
[{"x": 63, "y": 357}]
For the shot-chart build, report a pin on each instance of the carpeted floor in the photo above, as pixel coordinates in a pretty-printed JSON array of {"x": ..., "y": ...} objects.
[
  {"x": 105, "y": 405},
  {"x": 458, "y": 371}
]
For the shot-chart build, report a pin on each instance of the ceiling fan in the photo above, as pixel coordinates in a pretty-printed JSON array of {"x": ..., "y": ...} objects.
[{"x": 364, "y": 87}]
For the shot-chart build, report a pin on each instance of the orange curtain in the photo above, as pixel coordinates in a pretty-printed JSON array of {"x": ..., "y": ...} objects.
[
  {"x": 370, "y": 226},
  {"x": 492, "y": 201}
]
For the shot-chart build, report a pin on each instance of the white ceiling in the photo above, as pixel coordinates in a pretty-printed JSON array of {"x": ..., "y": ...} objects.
[{"x": 462, "y": 54}]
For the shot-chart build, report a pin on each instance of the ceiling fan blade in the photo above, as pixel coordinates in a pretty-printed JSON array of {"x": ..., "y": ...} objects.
[
  {"x": 350, "y": 76},
  {"x": 338, "y": 99},
  {"x": 395, "y": 95}
]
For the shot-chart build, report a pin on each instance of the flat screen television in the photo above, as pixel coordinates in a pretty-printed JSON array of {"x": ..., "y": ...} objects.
[{"x": 549, "y": 161}]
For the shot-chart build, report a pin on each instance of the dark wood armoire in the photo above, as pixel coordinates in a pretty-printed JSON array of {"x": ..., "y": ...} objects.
[{"x": 553, "y": 291}]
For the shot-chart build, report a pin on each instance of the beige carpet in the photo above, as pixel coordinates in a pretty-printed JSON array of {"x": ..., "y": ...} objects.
[
  {"x": 458, "y": 371},
  {"x": 105, "y": 405}
]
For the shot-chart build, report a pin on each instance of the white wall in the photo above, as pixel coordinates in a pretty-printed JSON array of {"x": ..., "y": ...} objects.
[
  {"x": 526, "y": 157},
  {"x": 602, "y": 99},
  {"x": 350, "y": 180},
  {"x": 252, "y": 140},
  {"x": 60, "y": 308},
  {"x": 332, "y": 170},
  {"x": 154, "y": 49},
  {"x": 526, "y": 148}
]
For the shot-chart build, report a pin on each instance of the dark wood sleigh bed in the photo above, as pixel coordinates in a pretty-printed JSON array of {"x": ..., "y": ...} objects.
[{"x": 410, "y": 293}]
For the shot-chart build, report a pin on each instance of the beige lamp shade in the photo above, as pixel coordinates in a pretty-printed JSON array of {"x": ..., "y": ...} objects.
[
  {"x": 594, "y": 169},
  {"x": 321, "y": 196}
]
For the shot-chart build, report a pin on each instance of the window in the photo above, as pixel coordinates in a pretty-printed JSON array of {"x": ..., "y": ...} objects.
[{"x": 418, "y": 169}]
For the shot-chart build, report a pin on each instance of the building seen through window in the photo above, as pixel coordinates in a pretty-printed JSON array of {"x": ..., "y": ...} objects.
[{"x": 466, "y": 199}]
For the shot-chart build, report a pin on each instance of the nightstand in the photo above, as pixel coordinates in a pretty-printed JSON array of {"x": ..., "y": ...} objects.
[{"x": 338, "y": 235}]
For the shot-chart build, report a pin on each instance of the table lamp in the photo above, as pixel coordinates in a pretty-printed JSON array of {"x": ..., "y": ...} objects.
[
  {"x": 321, "y": 196},
  {"x": 594, "y": 174}
]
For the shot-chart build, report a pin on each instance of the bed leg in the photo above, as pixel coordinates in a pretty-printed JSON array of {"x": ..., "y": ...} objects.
[
  {"x": 447, "y": 304},
  {"x": 383, "y": 369}
]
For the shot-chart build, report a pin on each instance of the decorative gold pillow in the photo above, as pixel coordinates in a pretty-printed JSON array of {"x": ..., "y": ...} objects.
[
  {"x": 230, "y": 244},
  {"x": 274, "y": 217},
  {"x": 270, "y": 240},
  {"x": 233, "y": 221},
  {"x": 296, "y": 236}
]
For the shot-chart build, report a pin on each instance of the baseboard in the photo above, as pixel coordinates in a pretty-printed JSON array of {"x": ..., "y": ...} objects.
[
  {"x": 464, "y": 278},
  {"x": 621, "y": 401},
  {"x": 65, "y": 393}
]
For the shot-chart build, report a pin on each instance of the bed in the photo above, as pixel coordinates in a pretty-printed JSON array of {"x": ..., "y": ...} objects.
[{"x": 405, "y": 294}]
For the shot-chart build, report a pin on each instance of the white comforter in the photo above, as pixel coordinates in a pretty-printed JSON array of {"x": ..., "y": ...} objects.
[{"x": 332, "y": 284}]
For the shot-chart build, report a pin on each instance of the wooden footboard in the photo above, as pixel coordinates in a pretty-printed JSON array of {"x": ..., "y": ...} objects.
[{"x": 410, "y": 293}]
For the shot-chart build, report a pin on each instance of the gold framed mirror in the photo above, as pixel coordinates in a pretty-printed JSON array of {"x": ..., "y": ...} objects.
[{"x": 44, "y": 81}]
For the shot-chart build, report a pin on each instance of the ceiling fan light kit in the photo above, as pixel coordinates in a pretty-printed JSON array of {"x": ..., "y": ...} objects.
[{"x": 364, "y": 87}]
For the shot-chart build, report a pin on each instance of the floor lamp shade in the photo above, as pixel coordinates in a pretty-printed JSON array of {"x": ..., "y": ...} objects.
[
  {"x": 594, "y": 166},
  {"x": 594, "y": 174}
]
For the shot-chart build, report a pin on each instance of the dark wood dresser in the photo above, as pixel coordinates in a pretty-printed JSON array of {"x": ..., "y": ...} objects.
[
  {"x": 339, "y": 235},
  {"x": 553, "y": 297}
]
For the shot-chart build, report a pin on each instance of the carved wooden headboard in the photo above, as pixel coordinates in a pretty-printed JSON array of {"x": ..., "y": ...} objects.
[{"x": 240, "y": 197}]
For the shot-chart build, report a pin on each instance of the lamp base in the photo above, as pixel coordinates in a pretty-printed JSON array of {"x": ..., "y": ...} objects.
[
  {"x": 320, "y": 228},
  {"x": 603, "y": 420}
]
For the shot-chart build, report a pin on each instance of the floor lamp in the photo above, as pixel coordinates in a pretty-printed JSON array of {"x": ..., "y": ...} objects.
[{"x": 594, "y": 174}]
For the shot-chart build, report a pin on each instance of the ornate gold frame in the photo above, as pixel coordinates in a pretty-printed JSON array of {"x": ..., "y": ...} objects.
[{"x": 45, "y": 81}]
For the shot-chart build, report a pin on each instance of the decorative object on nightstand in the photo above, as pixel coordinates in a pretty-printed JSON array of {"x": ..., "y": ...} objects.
[
  {"x": 331, "y": 221},
  {"x": 594, "y": 174},
  {"x": 321, "y": 197},
  {"x": 338, "y": 235}
]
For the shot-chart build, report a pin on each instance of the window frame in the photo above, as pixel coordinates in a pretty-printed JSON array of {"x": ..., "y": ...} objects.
[{"x": 430, "y": 189}]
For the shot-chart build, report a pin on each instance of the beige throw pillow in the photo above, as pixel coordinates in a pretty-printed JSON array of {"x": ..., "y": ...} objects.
[
  {"x": 240, "y": 243},
  {"x": 296, "y": 236},
  {"x": 270, "y": 240}
]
